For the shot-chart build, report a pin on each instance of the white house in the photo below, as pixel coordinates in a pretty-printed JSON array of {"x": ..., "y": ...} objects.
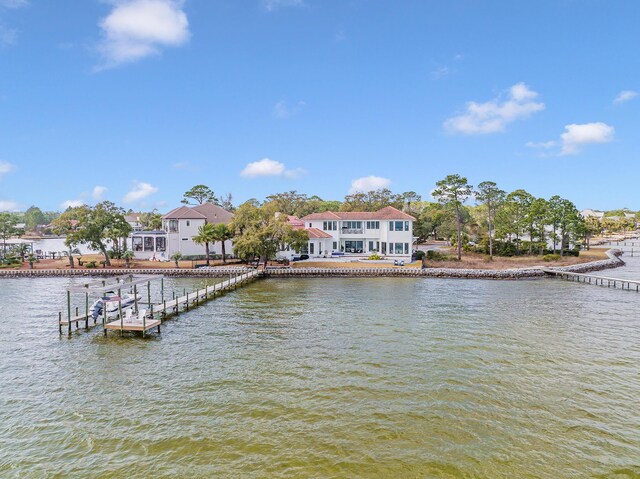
[
  {"x": 388, "y": 232},
  {"x": 134, "y": 221},
  {"x": 179, "y": 226}
]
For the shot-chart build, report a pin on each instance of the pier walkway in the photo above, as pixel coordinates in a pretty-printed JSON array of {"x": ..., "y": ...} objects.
[
  {"x": 596, "y": 280},
  {"x": 146, "y": 320},
  {"x": 143, "y": 320}
]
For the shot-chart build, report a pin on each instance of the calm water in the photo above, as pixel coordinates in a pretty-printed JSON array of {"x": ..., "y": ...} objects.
[{"x": 328, "y": 378}]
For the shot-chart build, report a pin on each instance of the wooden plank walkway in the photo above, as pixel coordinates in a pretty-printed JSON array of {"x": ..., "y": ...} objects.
[
  {"x": 596, "y": 279},
  {"x": 146, "y": 320}
]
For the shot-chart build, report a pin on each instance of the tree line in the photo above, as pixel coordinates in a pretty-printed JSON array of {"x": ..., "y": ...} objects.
[{"x": 485, "y": 218}]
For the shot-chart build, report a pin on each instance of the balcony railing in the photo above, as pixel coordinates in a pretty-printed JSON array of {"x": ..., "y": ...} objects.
[{"x": 352, "y": 231}]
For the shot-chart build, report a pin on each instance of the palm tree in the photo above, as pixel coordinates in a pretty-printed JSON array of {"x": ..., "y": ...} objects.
[
  {"x": 177, "y": 256},
  {"x": 223, "y": 233},
  {"x": 206, "y": 234},
  {"x": 127, "y": 255}
]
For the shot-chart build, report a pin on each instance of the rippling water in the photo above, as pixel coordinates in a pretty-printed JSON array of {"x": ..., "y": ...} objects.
[{"x": 330, "y": 378}]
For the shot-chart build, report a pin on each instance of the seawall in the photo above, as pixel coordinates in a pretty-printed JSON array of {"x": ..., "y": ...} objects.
[{"x": 613, "y": 261}]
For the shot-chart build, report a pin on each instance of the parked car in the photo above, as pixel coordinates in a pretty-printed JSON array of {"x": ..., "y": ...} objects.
[{"x": 300, "y": 257}]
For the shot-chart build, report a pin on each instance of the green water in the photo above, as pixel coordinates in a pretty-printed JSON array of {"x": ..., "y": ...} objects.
[{"x": 330, "y": 378}]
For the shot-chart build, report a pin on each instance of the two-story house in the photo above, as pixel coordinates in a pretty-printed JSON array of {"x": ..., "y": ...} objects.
[
  {"x": 179, "y": 226},
  {"x": 387, "y": 231}
]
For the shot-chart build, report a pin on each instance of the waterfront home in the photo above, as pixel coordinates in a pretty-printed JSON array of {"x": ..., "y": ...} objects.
[
  {"x": 179, "y": 226},
  {"x": 388, "y": 232},
  {"x": 134, "y": 221}
]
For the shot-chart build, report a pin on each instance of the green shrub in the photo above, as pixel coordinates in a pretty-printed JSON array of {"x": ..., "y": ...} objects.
[
  {"x": 91, "y": 264},
  {"x": 419, "y": 255},
  {"x": 551, "y": 257},
  {"x": 433, "y": 255},
  {"x": 375, "y": 256}
]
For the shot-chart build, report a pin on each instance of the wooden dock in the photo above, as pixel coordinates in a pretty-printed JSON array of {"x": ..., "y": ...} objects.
[
  {"x": 628, "y": 284},
  {"x": 146, "y": 321},
  {"x": 136, "y": 320}
]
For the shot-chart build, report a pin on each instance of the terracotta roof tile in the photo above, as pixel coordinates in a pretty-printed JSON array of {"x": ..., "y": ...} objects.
[{"x": 315, "y": 233}]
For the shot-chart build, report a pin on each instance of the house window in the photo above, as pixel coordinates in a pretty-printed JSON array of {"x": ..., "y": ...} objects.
[
  {"x": 185, "y": 239},
  {"x": 406, "y": 248},
  {"x": 311, "y": 245},
  {"x": 310, "y": 225},
  {"x": 398, "y": 248},
  {"x": 335, "y": 245},
  {"x": 148, "y": 243},
  {"x": 329, "y": 225},
  {"x": 173, "y": 226},
  {"x": 161, "y": 243},
  {"x": 352, "y": 225},
  {"x": 399, "y": 225},
  {"x": 373, "y": 225},
  {"x": 390, "y": 225},
  {"x": 384, "y": 248},
  {"x": 136, "y": 243},
  {"x": 406, "y": 226}
]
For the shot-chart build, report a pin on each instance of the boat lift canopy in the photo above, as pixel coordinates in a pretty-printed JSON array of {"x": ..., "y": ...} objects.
[{"x": 102, "y": 287}]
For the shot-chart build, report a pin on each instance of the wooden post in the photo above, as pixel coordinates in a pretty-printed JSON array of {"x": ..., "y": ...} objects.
[
  {"x": 162, "y": 289},
  {"x": 144, "y": 325},
  {"x": 135, "y": 297},
  {"x": 69, "y": 309},
  {"x": 164, "y": 310},
  {"x": 149, "y": 293},
  {"x": 86, "y": 309},
  {"x": 60, "y": 322},
  {"x": 187, "y": 302},
  {"x": 121, "y": 315}
]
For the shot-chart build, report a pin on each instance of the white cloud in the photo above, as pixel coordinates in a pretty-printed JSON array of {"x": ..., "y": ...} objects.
[
  {"x": 440, "y": 72},
  {"x": 5, "y": 167},
  {"x": 98, "y": 192},
  {"x": 576, "y": 136},
  {"x": 281, "y": 110},
  {"x": 543, "y": 144},
  {"x": 14, "y": 3},
  {"x": 138, "y": 28},
  {"x": 625, "y": 95},
  {"x": 493, "y": 116},
  {"x": 271, "y": 5},
  {"x": 7, "y": 35},
  {"x": 71, "y": 204},
  {"x": 6, "y": 205},
  {"x": 269, "y": 167},
  {"x": 139, "y": 191},
  {"x": 369, "y": 183}
]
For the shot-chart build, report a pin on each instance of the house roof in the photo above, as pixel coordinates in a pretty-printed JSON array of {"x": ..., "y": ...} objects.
[
  {"x": 315, "y": 233},
  {"x": 207, "y": 211},
  {"x": 214, "y": 213},
  {"x": 386, "y": 213},
  {"x": 183, "y": 212}
]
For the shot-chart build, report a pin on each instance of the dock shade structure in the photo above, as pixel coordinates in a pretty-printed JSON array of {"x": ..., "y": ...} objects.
[
  {"x": 150, "y": 244},
  {"x": 89, "y": 291}
]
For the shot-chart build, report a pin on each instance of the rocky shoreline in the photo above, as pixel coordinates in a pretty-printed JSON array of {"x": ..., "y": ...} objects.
[{"x": 614, "y": 261}]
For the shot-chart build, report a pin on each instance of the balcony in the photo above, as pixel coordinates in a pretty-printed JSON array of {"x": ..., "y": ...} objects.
[{"x": 352, "y": 231}]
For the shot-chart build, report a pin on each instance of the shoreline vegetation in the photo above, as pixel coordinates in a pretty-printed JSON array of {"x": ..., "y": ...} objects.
[
  {"x": 500, "y": 231},
  {"x": 471, "y": 268}
]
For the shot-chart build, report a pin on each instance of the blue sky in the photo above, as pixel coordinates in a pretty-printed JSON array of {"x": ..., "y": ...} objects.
[{"x": 136, "y": 101}]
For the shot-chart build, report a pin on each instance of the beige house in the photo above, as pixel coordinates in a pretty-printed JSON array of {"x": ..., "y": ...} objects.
[{"x": 179, "y": 226}]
